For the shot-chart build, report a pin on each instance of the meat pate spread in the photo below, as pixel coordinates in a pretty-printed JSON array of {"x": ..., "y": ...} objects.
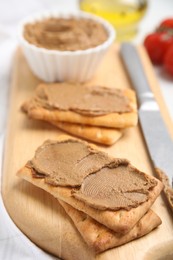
[
  {"x": 101, "y": 181},
  {"x": 65, "y": 34},
  {"x": 85, "y": 100}
]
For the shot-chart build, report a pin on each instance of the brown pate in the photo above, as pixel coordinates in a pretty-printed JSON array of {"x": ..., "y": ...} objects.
[
  {"x": 65, "y": 34},
  {"x": 85, "y": 100},
  {"x": 99, "y": 180}
]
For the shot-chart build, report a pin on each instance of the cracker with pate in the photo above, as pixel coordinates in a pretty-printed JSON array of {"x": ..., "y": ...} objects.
[
  {"x": 87, "y": 105},
  {"x": 78, "y": 162},
  {"x": 168, "y": 191}
]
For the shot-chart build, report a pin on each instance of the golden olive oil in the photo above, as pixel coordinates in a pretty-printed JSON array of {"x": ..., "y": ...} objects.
[{"x": 124, "y": 15}]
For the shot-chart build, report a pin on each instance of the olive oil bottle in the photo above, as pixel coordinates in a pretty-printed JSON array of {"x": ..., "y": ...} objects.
[{"x": 124, "y": 15}]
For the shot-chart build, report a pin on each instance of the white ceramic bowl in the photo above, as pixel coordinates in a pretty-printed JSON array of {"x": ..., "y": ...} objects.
[{"x": 55, "y": 65}]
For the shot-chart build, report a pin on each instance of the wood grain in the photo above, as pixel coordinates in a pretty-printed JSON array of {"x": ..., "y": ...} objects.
[{"x": 37, "y": 213}]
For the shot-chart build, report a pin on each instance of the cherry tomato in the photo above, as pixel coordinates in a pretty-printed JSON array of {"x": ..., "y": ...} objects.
[
  {"x": 168, "y": 61},
  {"x": 157, "y": 45},
  {"x": 166, "y": 24}
]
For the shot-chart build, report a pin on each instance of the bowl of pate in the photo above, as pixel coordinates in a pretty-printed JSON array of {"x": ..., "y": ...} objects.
[{"x": 65, "y": 46}]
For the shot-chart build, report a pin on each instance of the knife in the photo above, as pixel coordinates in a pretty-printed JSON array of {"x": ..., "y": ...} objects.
[{"x": 158, "y": 140}]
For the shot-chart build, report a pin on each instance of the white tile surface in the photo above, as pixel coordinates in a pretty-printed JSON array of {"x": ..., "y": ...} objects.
[{"x": 13, "y": 244}]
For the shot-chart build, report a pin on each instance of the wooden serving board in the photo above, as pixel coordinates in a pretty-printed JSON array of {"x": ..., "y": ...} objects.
[{"x": 37, "y": 213}]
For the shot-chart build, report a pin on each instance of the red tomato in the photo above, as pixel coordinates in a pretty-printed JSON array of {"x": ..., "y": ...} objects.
[
  {"x": 168, "y": 61},
  {"x": 156, "y": 45},
  {"x": 166, "y": 24}
]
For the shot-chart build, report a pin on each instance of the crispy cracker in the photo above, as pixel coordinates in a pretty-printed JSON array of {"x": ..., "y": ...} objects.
[
  {"x": 106, "y": 136},
  {"x": 113, "y": 120},
  {"x": 168, "y": 190},
  {"x": 100, "y": 238},
  {"x": 120, "y": 221}
]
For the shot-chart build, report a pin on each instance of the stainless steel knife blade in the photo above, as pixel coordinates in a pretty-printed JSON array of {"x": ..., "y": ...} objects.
[{"x": 158, "y": 140}]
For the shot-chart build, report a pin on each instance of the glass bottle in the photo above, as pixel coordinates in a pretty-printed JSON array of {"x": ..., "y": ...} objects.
[{"x": 124, "y": 15}]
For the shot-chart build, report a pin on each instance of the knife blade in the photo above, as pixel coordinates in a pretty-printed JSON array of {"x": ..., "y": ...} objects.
[{"x": 158, "y": 140}]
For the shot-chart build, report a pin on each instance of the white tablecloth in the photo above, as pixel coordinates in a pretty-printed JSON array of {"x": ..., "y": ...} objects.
[{"x": 13, "y": 244}]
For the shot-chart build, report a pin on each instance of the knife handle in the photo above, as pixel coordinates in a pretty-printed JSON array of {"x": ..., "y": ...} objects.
[{"x": 136, "y": 73}]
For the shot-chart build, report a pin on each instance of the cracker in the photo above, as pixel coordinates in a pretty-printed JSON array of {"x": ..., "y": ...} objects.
[
  {"x": 106, "y": 136},
  {"x": 120, "y": 221},
  {"x": 100, "y": 238},
  {"x": 168, "y": 190}
]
